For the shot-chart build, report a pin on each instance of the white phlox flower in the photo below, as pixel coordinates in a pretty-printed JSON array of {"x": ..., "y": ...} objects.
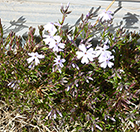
[
  {"x": 104, "y": 56},
  {"x": 50, "y": 28},
  {"x": 85, "y": 54},
  {"x": 48, "y": 39},
  {"x": 59, "y": 63},
  {"x": 105, "y": 16},
  {"x": 57, "y": 45},
  {"x": 53, "y": 40},
  {"x": 104, "y": 59},
  {"x": 102, "y": 50},
  {"x": 34, "y": 58}
]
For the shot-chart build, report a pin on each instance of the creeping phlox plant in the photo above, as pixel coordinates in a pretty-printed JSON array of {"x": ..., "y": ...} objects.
[{"x": 64, "y": 81}]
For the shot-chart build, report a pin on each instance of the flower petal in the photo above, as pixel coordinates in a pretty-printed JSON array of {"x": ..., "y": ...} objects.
[
  {"x": 63, "y": 60},
  {"x": 31, "y": 54},
  {"x": 110, "y": 64},
  {"x": 103, "y": 64},
  {"x": 37, "y": 61},
  {"x": 79, "y": 54},
  {"x": 57, "y": 38},
  {"x": 82, "y": 47},
  {"x": 84, "y": 60},
  {"x": 29, "y": 60},
  {"x": 41, "y": 56},
  {"x": 62, "y": 45},
  {"x": 50, "y": 28}
]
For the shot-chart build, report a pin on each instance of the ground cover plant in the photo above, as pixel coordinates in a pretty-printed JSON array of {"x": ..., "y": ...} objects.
[{"x": 65, "y": 82}]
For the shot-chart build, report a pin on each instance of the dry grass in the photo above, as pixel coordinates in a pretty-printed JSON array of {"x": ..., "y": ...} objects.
[
  {"x": 13, "y": 120},
  {"x": 30, "y": 120}
]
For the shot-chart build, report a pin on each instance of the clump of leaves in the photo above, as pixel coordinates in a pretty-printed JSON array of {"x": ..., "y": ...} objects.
[{"x": 63, "y": 91}]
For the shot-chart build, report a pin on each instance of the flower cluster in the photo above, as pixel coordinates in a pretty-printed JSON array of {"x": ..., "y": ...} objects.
[
  {"x": 87, "y": 53},
  {"x": 102, "y": 53},
  {"x": 54, "y": 41}
]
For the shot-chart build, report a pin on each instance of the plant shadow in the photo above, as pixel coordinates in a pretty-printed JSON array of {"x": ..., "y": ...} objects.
[
  {"x": 130, "y": 20},
  {"x": 15, "y": 26}
]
